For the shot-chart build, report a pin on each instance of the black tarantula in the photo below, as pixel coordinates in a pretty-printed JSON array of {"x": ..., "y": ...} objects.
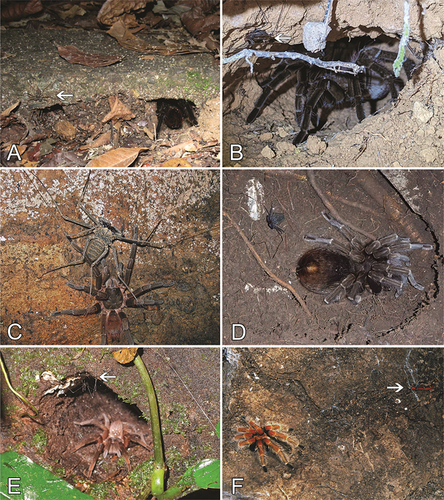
[
  {"x": 346, "y": 270},
  {"x": 173, "y": 112},
  {"x": 319, "y": 90}
]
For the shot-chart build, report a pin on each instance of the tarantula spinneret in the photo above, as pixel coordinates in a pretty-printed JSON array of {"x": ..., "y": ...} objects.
[
  {"x": 320, "y": 90},
  {"x": 261, "y": 438},
  {"x": 114, "y": 439},
  {"x": 346, "y": 270}
]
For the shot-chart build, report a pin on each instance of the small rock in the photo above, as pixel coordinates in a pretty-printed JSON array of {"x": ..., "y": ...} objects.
[
  {"x": 429, "y": 154},
  {"x": 282, "y": 132},
  {"x": 316, "y": 145},
  {"x": 285, "y": 148},
  {"x": 267, "y": 152},
  {"x": 266, "y": 137},
  {"x": 421, "y": 112}
]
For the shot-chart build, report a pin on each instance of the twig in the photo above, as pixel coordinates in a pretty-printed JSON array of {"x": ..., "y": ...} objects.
[
  {"x": 336, "y": 66},
  {"x": 331, "y": 208},
  {"x": 265, "y": 268}
]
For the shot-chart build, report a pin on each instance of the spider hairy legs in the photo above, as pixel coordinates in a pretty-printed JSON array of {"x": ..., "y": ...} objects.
[
  {"x": 347, "y": 270},
  {"x": 318, "y": 91},
  {"x": 263, "y": 438},
  {"x": 114, "y": 440}
]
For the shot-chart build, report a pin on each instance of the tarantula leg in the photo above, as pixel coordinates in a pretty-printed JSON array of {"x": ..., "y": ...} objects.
[
  {"x": 94, "y": 421},
  {"x": 413, "y": 282},
  {"x": 260, "y": 448},
  {"x": 327, "y": 241},
  {"x": 277, "y": 450},
  {"x": 357, "y": 289},
  {"x": 340, "y": 291},
  {"x": 375, "y": 245},
  {"x": 343, "y": 229},
  {"x": 94, "y": 460},
  {"x": 279, "y": 435},
  {"x": 95, "y": 309},
  {"x": 269, "y": 86},
  {"x": 83, "y": 288},
  {"x": 387, "y": 280}
]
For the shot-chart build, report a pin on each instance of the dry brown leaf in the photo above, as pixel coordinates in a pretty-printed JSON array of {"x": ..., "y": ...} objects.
[
  {"x": 103, "y": 139},
  {"x": 177, "y": 163},
  {"x": 126, "y": 39},
  {"x": 119, "y": 111},
  {"x": 18, "y": 10},
  {"x": 112, "y": 9},
  {"x": 7, "y": 111},
  {"x": 126, "y": 355},
  {"x": 75, "y": 56},
  {"x": 65, "y": 129},
  {"x": 117, "y": 158}
]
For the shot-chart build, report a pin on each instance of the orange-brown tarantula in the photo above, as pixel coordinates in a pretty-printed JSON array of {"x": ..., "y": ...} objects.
[
  {"x": 261, "y": 438},
  {"x": 346, "y": 270},
  {"x": 114, "y": 439}
]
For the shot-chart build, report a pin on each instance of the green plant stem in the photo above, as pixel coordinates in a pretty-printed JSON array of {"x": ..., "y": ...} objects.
[
  {"x": 157, "y": 480},
  {"x": 5, "y": 374}
]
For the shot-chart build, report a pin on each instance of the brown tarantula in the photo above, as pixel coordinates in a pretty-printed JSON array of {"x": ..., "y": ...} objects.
[
  {"x": 114, "y": 439},
  {"x": 113, "y": 297},
  {"x": 347, "y": 269},
  {"x": 319, "y": 90}
]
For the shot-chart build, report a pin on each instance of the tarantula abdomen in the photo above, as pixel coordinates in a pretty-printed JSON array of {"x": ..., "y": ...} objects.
[{"x": 320, "y": 269}]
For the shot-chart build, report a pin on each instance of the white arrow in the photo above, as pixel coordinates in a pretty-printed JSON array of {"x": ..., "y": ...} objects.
[
  {"x": 105, "y": 377},
  {"x": 398, "y": 387},
  {"x": 281, "y": 38},
  {"x": 62, "y": 96}
]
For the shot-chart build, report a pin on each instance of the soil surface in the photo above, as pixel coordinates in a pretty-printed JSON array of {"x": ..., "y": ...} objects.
[
  {"x": 406, "y": 133},
  {"x": 184, "y": 204},
  {"x": 358, "y": 438},
  {"x": 380, "y": 203},
  {"x": 188, "y": 414}
]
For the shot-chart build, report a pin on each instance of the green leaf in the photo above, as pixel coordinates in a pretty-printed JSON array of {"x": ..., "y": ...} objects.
[
  {"x": 205, "y": 474},
  {"x": 218, "y": 429},
  {"x": 32, "y": 480}
]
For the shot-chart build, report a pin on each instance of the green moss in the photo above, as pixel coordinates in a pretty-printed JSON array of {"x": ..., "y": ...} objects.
[
  {"x": 59, "y": 471},
  {"x": 198, "y": 81},
  {"x": 176, "y": 419},
  {"x": 39, "y": 441},
  {"x": 102, "y": 491},
  {"x": 176, "y": 461},
  {"x": 140, "y": 476}
]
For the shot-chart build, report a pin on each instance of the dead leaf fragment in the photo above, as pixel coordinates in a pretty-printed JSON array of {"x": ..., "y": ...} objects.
[
  {"x": 126, "y": 355},
  {"x": 18, "y": 10},
  {"x": 177, "y": 163},
  {"x": 65, "y": 130},
  {"x": 8, "y": 111},
  {"x": 112, "y": 9},
  {"x": 75, "y": 56},
  {"x": 117, "y": 158},
  {"x": 119, "y": 111}
]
